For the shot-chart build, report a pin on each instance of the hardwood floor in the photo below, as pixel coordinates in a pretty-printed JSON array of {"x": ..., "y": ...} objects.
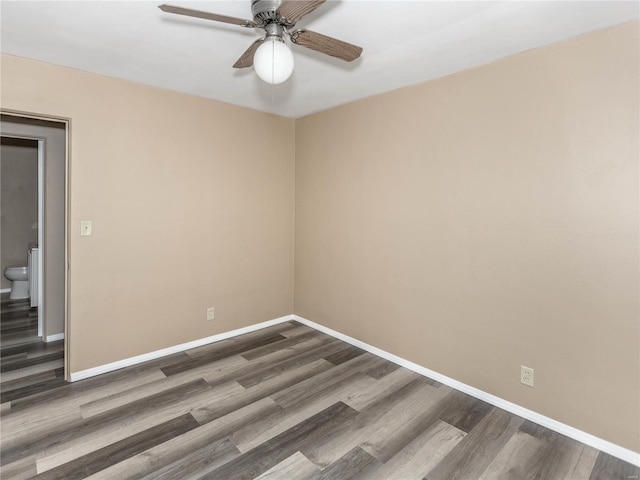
[
  {"x": 286, "y": 402},
  {"x": 29, "y": 365},
  {"x": 18, "y": 322}
]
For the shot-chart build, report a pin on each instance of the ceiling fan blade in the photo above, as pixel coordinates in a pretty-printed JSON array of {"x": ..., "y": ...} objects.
[
  {"x": 328, "y": 45},
  {"x": 246, "y": 59},
  {"x": 294, "y": 10},
  {"x": 207, "y": 16}
]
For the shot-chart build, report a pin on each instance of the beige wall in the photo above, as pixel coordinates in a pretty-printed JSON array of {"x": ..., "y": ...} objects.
[
  {"x": 487, "y": 220},
  {"x": 191, "y": 202},
  {"x": 19, "y": 179}
]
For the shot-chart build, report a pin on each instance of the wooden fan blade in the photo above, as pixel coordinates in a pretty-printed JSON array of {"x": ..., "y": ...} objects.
[
  {"x": 246, "y": 59},
  {"x": 207, "y": 16},
  {"x": 328, "y": 45},
  {"x": 294, "y": 10}
]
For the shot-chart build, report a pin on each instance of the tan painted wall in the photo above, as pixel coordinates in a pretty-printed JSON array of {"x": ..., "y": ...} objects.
[
  {"x": 487, "y": 220},
  {"x": 187, "y": 211}
]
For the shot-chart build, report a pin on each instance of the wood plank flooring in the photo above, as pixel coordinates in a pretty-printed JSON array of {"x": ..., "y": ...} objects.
[
  {"x": 28, "y": 365},
  {"x": 286, "y": 402},
  {"x": 18, "y": 322}
]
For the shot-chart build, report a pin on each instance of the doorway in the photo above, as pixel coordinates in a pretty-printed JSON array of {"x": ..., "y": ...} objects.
[{"x": 46, "y": 305}]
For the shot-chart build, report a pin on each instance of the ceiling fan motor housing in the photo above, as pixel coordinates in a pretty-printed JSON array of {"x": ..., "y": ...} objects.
[{"x": 265, "y": 12}]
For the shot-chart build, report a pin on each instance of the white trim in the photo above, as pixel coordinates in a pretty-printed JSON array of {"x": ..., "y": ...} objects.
[
  {"x": 56, "y": 337},
  {"x": 586, "y": 438},
  {"x": 127, "y": 362},
  {"x": 5, "y": 290},
  {"x": 40, "y": 266}
]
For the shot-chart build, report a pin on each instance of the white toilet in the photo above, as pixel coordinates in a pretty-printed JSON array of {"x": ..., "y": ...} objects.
[{"x": 20, "y": 278}]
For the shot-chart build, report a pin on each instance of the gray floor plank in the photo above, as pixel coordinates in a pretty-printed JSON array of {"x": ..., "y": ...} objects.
[
  {"x": 286, "y": 342},
  {"x": 279, "y": 421},
  {"x": 268, "y": 454},
  {"x": 309, "y": 387},
  {"x": 385, "y": 387},
  {"x": 609, "y": 468},
  {"x": 381, "y": 368},
  {"x": 422, "y": 454},
  {"x": 115, "y": 425},
  {"x": 175, "y": 451},
  {"x": 20, "y": 469},
  {"x": 297, "y": 466},
  {"x": 148, "y": 389},
  {"x": 465, "y": 412},
  {"x": 99, "y": 385},
  {"x": 370, "y": 425},
  {"x": 406, "y": 432},
  {"x": 32, "y": 369},
  {"x": 513, "y": 461},
  {"x": 36, "y": 384},
  {"x": 116, "y": 452},
  {"x": 232, "y": 348},
  {"x": 289, "y": 358},
  {"x": 257, "y": 392},
  {"x": 269, "y": 371},
  {"x": 477, "y": 449},
  {"x": 17, "y": 364},
  {"x": 344, "y": 355},
  {"x": 27, "y": 381},
  {"x": 40, "y": 418},
  {"x": 245, "y": 339},
  {"x": 411, "y": 419},
  {"x": 354, "y": 464},
  {"x": 196, "y": 465}
]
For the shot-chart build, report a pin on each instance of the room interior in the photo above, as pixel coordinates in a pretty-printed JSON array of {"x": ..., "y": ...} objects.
[
  {"x": 20, "y": 195},
  {"x": 470, "y": 224}
]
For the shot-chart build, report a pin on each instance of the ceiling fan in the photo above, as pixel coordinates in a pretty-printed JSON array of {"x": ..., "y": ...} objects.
[{"x": 270, "y": 56}]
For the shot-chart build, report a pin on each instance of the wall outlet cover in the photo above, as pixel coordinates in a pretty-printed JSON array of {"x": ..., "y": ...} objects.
[
  {"x": 526, "y": 375},
  {"x": 210, "y": 313}
]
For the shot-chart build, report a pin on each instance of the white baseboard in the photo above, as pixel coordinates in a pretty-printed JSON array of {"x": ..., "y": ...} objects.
[
  {"x": 571, "y": 432},
  {"x": 586, "y": 438},
  {"x": 53, "y": 338},
  {"x": 127, "y": 362},
  {"x": 5, "y": 290}
]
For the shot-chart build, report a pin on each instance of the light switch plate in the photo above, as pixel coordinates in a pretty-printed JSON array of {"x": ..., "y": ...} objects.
[{"x": 85, "y": 228}]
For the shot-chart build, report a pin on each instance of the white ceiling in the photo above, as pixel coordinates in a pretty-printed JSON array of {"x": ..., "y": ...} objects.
[{"x": 405, "y": 42}]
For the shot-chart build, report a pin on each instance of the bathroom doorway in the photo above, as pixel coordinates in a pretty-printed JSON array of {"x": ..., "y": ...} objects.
[{"x": 35, "y": 325}]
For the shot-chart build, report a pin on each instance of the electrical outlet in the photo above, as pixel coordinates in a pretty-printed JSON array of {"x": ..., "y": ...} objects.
[
  {"x": 526, "y": 375},
  {"x": 210, "y": 314}
]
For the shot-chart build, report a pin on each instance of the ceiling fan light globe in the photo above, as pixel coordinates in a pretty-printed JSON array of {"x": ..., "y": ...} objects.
[{"x": 273, "y": 61}]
